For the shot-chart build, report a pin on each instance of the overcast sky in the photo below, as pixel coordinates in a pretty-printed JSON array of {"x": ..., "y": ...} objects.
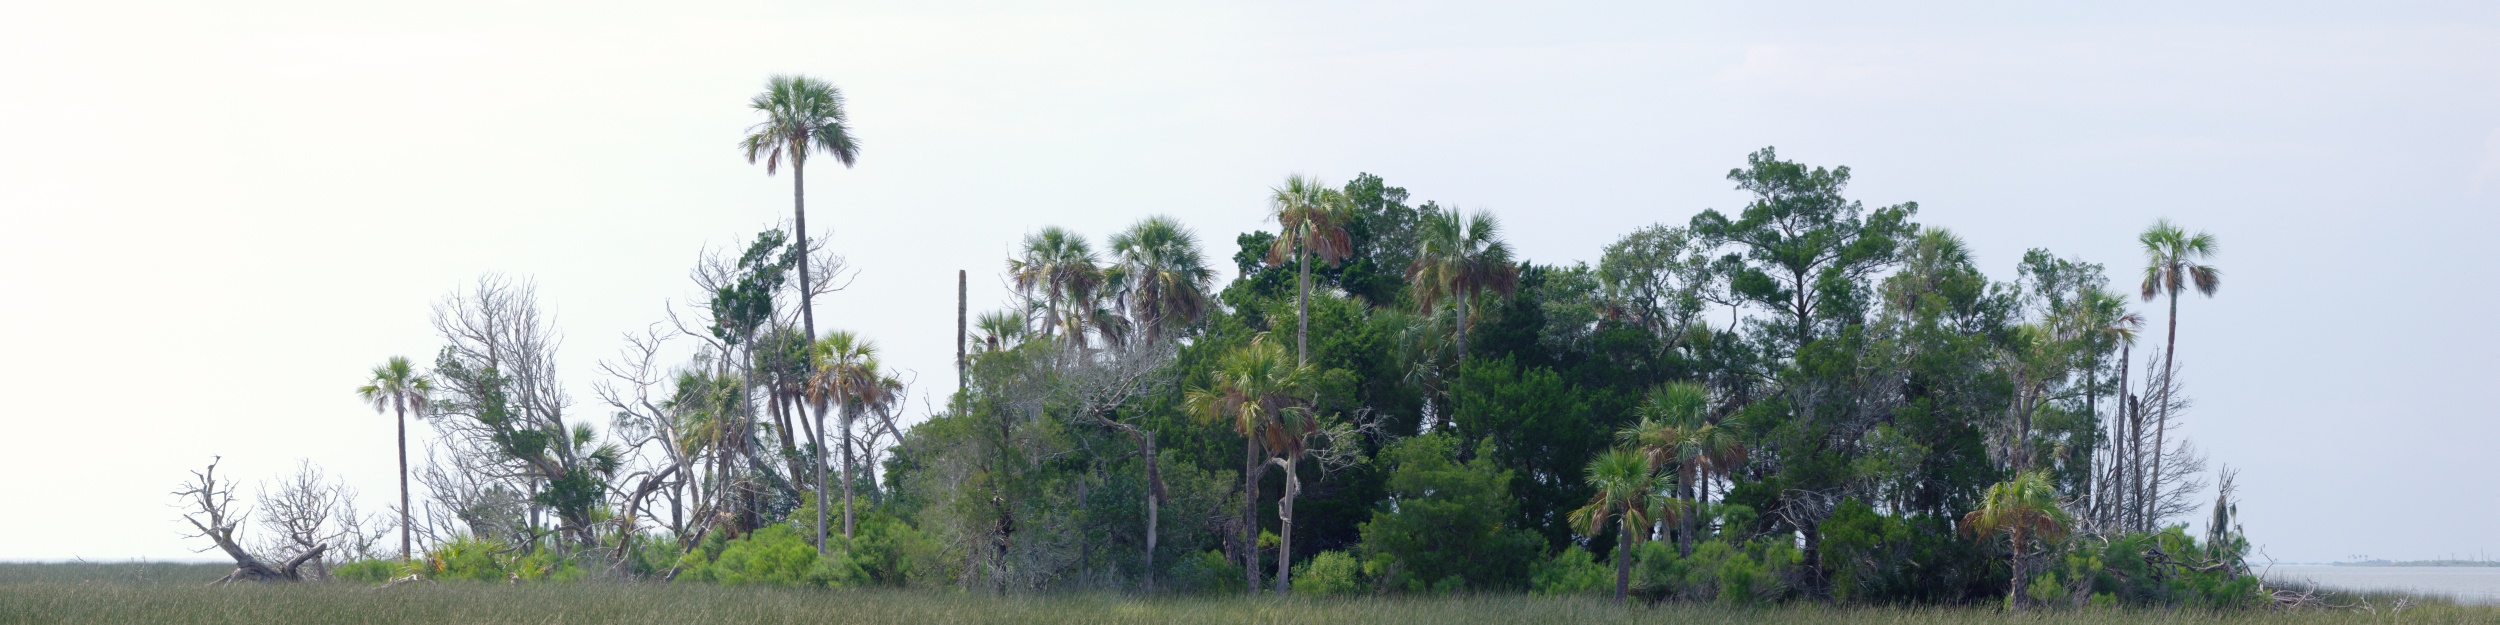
[{"x": 215, "y": 218}]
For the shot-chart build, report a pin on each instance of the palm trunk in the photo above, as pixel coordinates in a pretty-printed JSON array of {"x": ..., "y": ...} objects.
[
  {"x": 1251, "y": 469},
  {"x": 1302, "y": 307},
  {"x": 1284, "y": 531},
  {"x": 404, "y": 530},
  {"x": 1462, "y": 326},
  {"x": 847, "y": 462},
  {"x": 2014, "y": 597},
  {"x": 798, "y": 201},
  {"x": 1154, "y": 511},
  {"x": 819, "y": 461},
  {"x": 1684, "y": 521},
  {"x": 1623, "y": 558},
  {"x": 2161, "y": 426}
]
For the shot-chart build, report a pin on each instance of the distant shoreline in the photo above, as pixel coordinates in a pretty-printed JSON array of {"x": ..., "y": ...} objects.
[{"x": 2421, "y": 563}]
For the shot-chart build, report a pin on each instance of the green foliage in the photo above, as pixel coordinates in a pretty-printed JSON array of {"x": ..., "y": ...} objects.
[
  {"x": 371, "y": 571},
  {"x": 1209, "y": 572},
  {"x": 1738, "y": 574},
  {"x": 1330, "y": 573},
  {"x": 1573, "y": 571},
  {"x": 1447, "y": 523}
]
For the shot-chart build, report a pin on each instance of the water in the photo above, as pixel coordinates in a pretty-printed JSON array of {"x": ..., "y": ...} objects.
[{"x": 2476, "y": 584}]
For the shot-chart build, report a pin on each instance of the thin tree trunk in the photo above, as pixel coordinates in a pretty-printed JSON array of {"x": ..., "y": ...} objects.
[
  {"x": 798, "y": 201},
  {"x": 404, "y": 540},
  {"x": 963, "y": 371},
  {"x": 847, "y": 463},
  {"x": 1684, "y": 522},
  {"x": 1462, "y": 326},
  {"x": 819, "y": 461},
  {"x": 1623, "y": 558},
  {"x": 2161, "y": 426},
  {"x": 1154, "y": 500},
  {"x": 1284, "y": 532},
  {"x": 1251, "y": 470},
  {"x": 1302, "y": 306}
]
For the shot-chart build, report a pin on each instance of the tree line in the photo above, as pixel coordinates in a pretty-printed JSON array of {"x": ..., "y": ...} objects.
[{"x": 1800, "y": 398}]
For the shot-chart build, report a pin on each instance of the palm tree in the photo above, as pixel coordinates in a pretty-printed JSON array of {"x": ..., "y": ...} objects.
[
  {"x": 397, "y": 387},
  {"x": 1258, "y": 392},
  {"x": 1457, "y": 259},
  {"x": 1161, "y": 278},
  {"x": 801, "y": 115},
  {"x": 1063, "y": 269},
  {"x": 2172, "y": 260},
  {"x": 1675, "y": 431},
  {"x": 2024, "y": 509},
  {"x": 846, "y": 377},
  {"x": 1000, "y": 331},
  {"x": 1312, "y": 219},
  {"x": 1628, "y": 489}
]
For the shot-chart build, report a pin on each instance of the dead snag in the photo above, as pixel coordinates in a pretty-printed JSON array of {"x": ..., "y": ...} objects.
[{"x": 206, "y": 497}]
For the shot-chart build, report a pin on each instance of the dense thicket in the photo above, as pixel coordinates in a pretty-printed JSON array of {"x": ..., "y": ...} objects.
[{"x": 1801, "y": 397}]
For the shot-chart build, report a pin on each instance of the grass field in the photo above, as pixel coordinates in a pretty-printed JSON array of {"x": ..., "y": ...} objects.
[{"x": 159, "y": 594}]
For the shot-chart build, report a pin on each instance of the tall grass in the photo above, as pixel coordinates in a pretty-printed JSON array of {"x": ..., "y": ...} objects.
[{"x": 59, "y": 596}]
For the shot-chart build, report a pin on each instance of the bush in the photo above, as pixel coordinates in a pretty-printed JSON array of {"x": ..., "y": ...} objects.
[
  {"x": 1574, "y": 571},
  {"x": 773, "y": 556},
  {"x": 370, "y": 571},
  {"x": 1330, "y": 573},
  {"x": 467, "y": 559},
  {"x": 1206, "y": 572},
  {"x": 1443, "y": 518}
]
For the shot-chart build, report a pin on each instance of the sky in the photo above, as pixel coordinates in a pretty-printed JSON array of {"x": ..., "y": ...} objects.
[{"x": 216, "y": 218}]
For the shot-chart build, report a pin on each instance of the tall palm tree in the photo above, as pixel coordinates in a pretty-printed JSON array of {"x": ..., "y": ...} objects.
[
  {"x": 2173, "y": 259},
  {"x": 1675, "y": 432},
  {"x": 801, "y": 115},
  {"x": 1161, "y": 276},
  {"x": 397, "y": 387},
  {"x": 1312, "y": 220},
  {"x": 1459, "y": 258},
  {"x": 1256, "y": 389},
  {"x": 2024, "y": 509},
  {"x": 846, "y": 378},
  {"x": 1062, "y": 269},
  {"x": 1629, "y": 491}
]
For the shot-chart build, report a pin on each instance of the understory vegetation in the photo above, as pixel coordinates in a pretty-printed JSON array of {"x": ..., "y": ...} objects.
[{"x": 1800, "y": 400}]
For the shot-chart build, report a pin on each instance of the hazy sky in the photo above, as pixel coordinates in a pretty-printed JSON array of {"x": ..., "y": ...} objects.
[{"x": 215, "y": 218}]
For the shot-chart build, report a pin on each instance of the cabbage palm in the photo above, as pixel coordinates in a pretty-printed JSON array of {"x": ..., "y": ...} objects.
[
  {"x": 2173, "y": 259},
  {"x": 845, "y": 377},
  {"x": 1312, "y": 220},
  {"x": 1062, "y": 268},
  {"x": 1257, "y": 391},
  {"x": 2025, "y": 509},
  {"x": 1459, "y": 258},
  {"x": 1675, "y": 429},
  {"x": 801, "y": 115},
  {"x": 1629, "y": 491},
  {"x": 397, "y": 387},
  {"x": 1161, "y": 276}
]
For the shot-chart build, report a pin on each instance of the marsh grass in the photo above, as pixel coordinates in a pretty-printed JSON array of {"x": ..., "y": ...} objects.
[{"x": 168, "y": 595}]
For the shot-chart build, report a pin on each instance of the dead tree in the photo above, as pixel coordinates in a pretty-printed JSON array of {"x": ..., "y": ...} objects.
[{"x": 206, "y": 497}]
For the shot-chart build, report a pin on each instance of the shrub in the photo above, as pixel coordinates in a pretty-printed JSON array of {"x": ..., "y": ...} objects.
[
  {"x": 1329, "y": 573},
  {"x": 370, "y": 571},
  {"x": 1574, "y": 571},
  {"x": 1206, "y": 572},
  {"x": 1444, "y": 517},
  {"x": 467, "y": 559}
]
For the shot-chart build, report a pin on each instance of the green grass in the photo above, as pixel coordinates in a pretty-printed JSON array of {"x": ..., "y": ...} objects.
[{"x": 168, "y": 594}]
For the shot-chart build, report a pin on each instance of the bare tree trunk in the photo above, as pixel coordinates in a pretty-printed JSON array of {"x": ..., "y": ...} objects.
[
  {"x": 963, "y": 372},
  {"x": 404, "y": 516},
  {"x": 847, "y": 462},
  {"x": 1251, "y": 470},
  {"x": 2014, "y": 597},
  {"x": 2161, "y": 426},
  {"x": 1623, "y": 558},
  {"x": 1154, "y": 500},
  {"x": 819, "y": 461},
  {"x": 1284, "y": 525},
  {"x": 1302, "y": 306}
]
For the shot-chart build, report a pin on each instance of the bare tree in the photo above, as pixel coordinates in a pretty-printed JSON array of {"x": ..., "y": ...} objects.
[{"x": 211, "y": 511}]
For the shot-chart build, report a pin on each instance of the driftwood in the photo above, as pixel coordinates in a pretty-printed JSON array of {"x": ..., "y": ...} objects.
[{"x": 209, "y": 498}]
